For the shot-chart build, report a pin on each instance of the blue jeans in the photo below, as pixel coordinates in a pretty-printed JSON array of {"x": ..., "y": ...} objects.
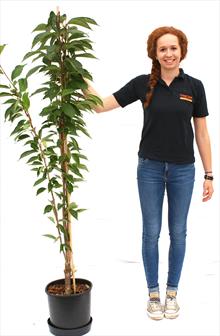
[{"x": 178, "y": 180}]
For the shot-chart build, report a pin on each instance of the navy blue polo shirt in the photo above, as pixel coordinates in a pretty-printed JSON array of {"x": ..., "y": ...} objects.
[{"x": 167, "y": 133}]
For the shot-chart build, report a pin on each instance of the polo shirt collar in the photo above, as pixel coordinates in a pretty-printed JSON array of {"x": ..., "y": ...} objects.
[{"x": 181, "y": 76}]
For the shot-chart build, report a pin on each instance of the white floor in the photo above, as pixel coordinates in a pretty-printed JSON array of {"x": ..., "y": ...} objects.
[
  {"x": 119, "y": 306},
  {"x": 119, "y": 292}
]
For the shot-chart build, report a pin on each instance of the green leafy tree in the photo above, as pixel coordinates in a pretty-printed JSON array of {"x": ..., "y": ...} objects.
[{"x": 52, "y": 151}]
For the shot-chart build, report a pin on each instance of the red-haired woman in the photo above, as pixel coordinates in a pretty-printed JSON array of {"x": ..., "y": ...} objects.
[{"x": 170, "y": 98}]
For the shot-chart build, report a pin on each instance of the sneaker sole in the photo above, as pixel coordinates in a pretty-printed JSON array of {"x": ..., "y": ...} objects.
[
  {"x": 156, "y": 318},
  {"x": 171, "y": 315}
]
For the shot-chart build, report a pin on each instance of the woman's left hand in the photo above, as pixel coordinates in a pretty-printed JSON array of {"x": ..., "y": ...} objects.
[{"x": 207, "y": 190}]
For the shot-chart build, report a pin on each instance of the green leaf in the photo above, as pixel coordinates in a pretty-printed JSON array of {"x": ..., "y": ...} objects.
[
  {"x": 87, "y": 75},
  {"x": 75, "y": 170},
  {"x": 77, "y": 83},
  {"x": 15, "y": 116},
  {"x": 83, "y": 167},
  {"x": 17, "y": 71},
  {"x": 26, "y": 101},
  {"x": 52, "y": 219},
  {"x": 4, "y": 86},
  {"x": 40, "y": 190},
  {"x": 83, "y": 130},
  {"x": 40, "y": 180},
  {"x": 95, "y": 99},
  {"x": 10, "y": 112},
  {"x": 50, "y": 236},
  {"x": 80, "y": 44},
  {"x": 2, "y": 48},
  {"x": 68, "y": 110},
  {"x": 75, "y": 34},
  {"x": 10, "y": 101},
  {"x": 74, "y": 66},
  {"x": 22, "y": 84},
  {"x": 53, "y": 184},
  {"x": 4, "y": 94},
  {"x": 38, "y": 91},
  {"x": 66, "y": 247},
  {"x": 75, "y": 144},
  {"x": 48, "y": 208},
  {"x": 42, "y": 37},
  {"x": 41, "y": 26},
  {"x": 66, "y": 92},
  {"x": 29, "y": 152},
  {"x": 61, "y": 227},
  {"x": 31, "y": 53},
  {"x": 86, "y": 55},
  {"x": 69, "y": 187},
  {"x": 33, "y": 70},
  {"x": 89, "y": 20},
  {"x": 81, "y": 21},
  {"x": 76, "y": 157},
  {"x": 74, "y": 213},
  {"x": 73, "y": 205},
  {"x": 18, "y": 128},
  {"x": 82, "y": 156},
  {"x": 52, "y": 53},
  {"x": 22, "y": 137},
  {"x": 33, "y": 158},
  {"x": 81, "y": 210},
  {"x": 52, "y": 92},
  {"x": 60, "y": 206},
  {"x": 52, "y": 20}
]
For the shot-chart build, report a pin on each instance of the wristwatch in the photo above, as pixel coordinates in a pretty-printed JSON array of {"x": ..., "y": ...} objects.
[{"x": 208, "y": 177}]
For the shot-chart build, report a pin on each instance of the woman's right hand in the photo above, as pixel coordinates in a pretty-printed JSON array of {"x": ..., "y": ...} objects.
[{"x": 109, "y": 102}]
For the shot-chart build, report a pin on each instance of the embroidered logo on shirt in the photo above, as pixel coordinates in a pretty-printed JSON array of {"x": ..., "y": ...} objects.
[{"x": 186, "y": 97}]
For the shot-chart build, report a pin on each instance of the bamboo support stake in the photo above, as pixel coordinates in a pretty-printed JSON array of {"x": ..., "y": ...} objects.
[{"x": 69, "y": 264}]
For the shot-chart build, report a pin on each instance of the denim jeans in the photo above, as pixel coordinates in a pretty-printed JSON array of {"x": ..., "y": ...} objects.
[{"x": 178, "y": 180}]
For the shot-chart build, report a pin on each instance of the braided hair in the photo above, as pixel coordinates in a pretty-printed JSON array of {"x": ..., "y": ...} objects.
[{"x": 152, "y": 51}]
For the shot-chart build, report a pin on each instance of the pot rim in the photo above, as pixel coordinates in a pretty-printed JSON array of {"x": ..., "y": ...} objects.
[{"x": 79, "y": 280}]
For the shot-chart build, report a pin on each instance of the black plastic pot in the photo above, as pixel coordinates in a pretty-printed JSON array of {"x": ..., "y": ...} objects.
[{"x": 70, "y": 315}]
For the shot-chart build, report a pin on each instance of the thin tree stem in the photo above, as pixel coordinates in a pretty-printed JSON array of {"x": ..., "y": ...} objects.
[{"x": 33, "y": 130}]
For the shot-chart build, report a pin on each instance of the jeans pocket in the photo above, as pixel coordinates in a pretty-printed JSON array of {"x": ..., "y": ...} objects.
[{"x": 142, "y": 160}]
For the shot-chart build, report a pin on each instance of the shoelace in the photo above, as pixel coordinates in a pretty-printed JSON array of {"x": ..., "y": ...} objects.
[
  {"x": 155, "y": 303},
  {"x": 171, "y": 300}
]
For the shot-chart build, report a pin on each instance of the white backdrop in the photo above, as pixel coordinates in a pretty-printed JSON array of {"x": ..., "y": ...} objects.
[{"x": 107, "y": 238}]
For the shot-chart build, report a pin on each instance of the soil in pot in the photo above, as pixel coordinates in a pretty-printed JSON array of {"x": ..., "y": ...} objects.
[{"x": 59, "y": 289}]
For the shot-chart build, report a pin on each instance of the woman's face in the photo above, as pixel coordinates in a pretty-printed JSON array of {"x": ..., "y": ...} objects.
[{"x": 168, "y": 52}]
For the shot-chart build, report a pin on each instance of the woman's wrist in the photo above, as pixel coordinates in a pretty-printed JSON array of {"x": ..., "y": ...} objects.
[{"x": 208, "y": 173}]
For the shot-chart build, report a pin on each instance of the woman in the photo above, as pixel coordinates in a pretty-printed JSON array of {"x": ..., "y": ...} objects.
[{"x": 170, "y": 98}]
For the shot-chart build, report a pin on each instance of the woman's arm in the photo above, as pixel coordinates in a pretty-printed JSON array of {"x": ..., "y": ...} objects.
[
  {"x": 109, "y": 103},
  {"x": 204, "y": 147}
]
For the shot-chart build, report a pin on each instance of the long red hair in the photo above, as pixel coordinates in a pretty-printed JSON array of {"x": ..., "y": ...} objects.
[{"x": 152, "y": 50}]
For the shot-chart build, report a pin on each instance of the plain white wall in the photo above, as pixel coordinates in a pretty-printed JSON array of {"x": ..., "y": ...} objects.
[{"x": 111, "y": 228}]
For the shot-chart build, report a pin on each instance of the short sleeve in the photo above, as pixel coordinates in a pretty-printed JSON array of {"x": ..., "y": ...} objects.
[
  {"x": 127, "y": 94},
  {"x": 200, "y": 106}
]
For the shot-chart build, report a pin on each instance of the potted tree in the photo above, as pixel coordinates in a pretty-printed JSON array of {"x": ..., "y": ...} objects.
[{"x": 52, "y": 149}]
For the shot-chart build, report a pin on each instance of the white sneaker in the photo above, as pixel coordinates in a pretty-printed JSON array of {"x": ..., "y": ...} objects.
[
  {"x": 154, "y": 307},
  {"x": 171, "y": 308}
]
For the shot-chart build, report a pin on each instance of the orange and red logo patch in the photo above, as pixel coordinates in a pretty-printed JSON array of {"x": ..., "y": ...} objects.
[{"x": 186, "y": 97}]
